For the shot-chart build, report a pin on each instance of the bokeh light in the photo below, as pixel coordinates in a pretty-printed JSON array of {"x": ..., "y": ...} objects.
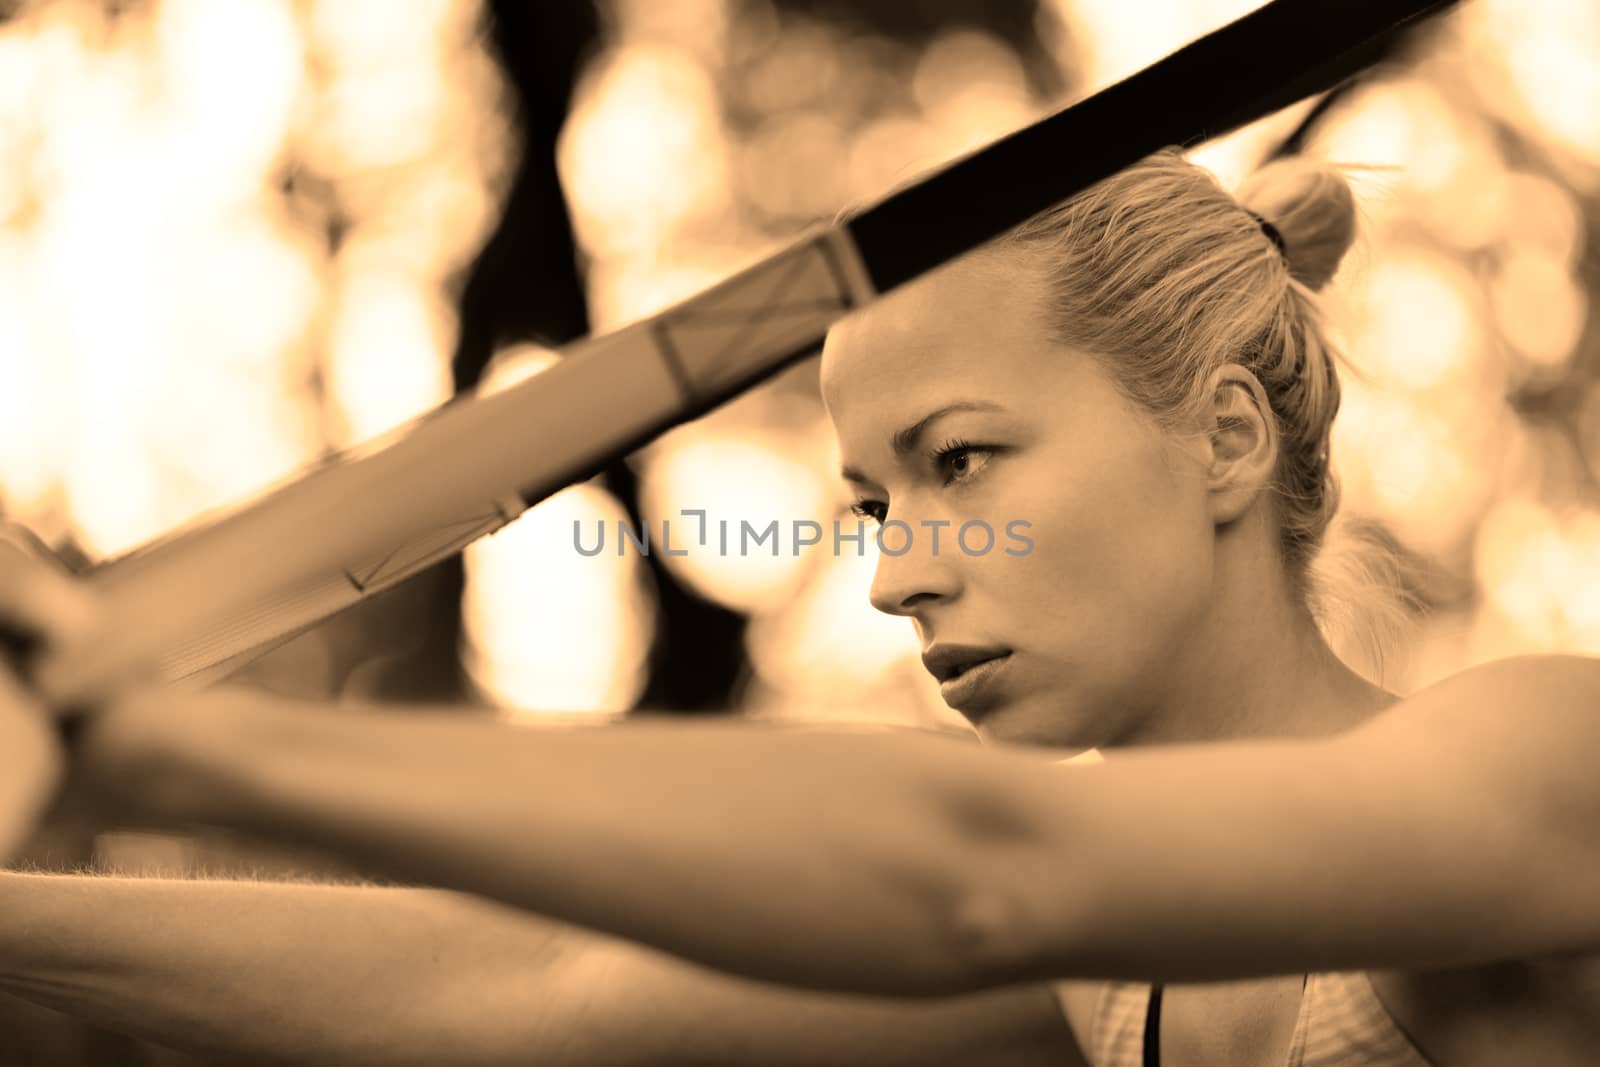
[
  {"x": 386, "y": 354},
  {"x": 971, "y": 87},
  {"x": 1538, "y": 306},
  {"x": 1118, "y": 39},
  {"x": 1536, "y": 65},
  {"x": 642, "y": 150},
  {"x": 548, "y": 630},
  {"x": 227, "y": 239},
  {"x": 746, "y": 486},
  {"x": 1419, "y": 325}
]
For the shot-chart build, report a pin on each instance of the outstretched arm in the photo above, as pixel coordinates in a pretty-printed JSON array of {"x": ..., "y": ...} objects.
[
  {"x": 359, "y": 976},
  {"x": 1458, "y": 827},
  {"x": 287, "y": 973},
  {"x": 836, "y": 855}
]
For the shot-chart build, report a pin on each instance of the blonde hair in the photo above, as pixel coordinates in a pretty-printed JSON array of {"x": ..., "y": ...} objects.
[{"x": 1164, "y": 276}]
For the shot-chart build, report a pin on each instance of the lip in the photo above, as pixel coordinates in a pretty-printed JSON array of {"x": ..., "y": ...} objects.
[
  {"x": 945, "y": 661},
  {"x": 968, "y": 675},
  {"x": 974, "y": 687}
]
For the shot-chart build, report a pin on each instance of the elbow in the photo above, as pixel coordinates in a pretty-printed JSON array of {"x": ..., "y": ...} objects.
[
  {"x": 948, "y": 939},
  {"x": 991, "y": 939},
  {"x": 999, "y": 914}
]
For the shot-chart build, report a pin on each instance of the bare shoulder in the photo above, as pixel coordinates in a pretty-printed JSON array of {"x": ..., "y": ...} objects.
[
  {"x": 1551, "y": 688},
  {"x": 1524, "y": 727},
  {"x": 1522, "y": 1011}
]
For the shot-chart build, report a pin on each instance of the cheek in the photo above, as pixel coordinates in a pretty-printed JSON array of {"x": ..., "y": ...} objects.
[{"x": 1125, "y": 557}]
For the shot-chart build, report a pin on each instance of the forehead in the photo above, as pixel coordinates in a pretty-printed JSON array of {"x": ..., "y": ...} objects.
[{"x": 975, "y": 327}]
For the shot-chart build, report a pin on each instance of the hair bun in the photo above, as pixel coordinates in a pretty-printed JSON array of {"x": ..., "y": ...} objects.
[{"x": 1311, "y": 206}]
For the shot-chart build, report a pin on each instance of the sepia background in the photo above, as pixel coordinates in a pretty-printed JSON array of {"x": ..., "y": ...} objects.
[{"x": 235, "y": 237}]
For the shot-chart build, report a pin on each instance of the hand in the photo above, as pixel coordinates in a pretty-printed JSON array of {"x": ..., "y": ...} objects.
[
  {"x": 31, "y": 767},
  {"x": 41, "y": 607}
]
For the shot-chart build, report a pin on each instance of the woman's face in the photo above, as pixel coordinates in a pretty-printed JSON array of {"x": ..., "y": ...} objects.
[{"x": 1093, "y": 594}]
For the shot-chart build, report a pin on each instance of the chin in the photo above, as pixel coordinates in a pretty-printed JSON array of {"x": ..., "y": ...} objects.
[{"x": 1028, "y": 723}]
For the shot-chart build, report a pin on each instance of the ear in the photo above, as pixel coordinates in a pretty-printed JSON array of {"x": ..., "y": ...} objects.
[{"x": 1243, "y": 434}]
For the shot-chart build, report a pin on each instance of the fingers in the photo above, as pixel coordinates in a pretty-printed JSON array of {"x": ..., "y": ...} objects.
[
  {"x": 38, "y": 598},
  {"x": 45, "y": 615},
  {"x": 29, "y": 544},
  {"x": 32, "y": 762}
]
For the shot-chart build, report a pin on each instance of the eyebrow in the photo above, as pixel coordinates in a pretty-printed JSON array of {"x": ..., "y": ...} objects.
[{"x": 905, "y": 440}]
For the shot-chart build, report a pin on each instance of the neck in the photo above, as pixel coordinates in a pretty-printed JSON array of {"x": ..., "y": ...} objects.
[{"x": 1263, "y": 669}]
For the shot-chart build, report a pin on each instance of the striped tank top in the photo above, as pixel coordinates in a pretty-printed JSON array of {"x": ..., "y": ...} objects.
[{"x": 1341, "y": 1023}]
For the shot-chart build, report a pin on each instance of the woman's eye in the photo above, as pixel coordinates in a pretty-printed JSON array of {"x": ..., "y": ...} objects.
[
  {"x": 870, "y": 509},
  {"x": 955, "y": 461},
  {"x": 958, "y": 462}
]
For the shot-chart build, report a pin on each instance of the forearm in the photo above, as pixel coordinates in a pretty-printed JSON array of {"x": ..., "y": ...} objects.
[
  {"x": 284, "y": 972},
  {"x": 814, "y": 859}
]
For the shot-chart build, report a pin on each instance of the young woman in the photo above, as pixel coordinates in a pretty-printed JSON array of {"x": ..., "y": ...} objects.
[{"x": 1278, "y": 862}]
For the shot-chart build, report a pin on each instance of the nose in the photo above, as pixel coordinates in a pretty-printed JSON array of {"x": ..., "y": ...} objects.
[{"x": 914, "y": 569}]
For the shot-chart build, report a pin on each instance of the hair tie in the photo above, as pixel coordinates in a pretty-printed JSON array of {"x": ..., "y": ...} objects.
[{"x": 1272, "y": 234}]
